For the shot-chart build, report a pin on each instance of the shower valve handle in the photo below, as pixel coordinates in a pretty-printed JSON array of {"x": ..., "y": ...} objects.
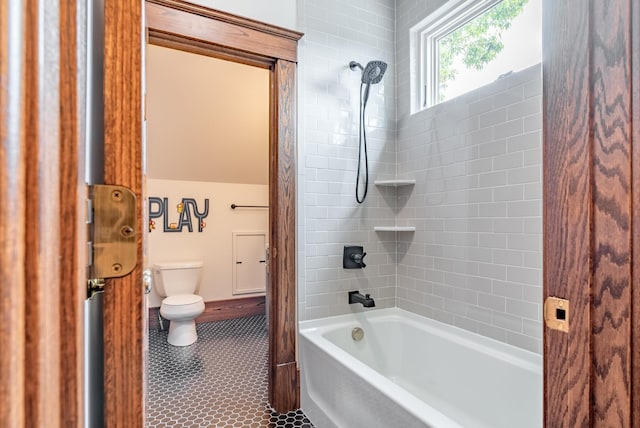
[{"x": 359, "y": 258}]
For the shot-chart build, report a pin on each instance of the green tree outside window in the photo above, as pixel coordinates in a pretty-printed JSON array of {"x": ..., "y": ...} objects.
[{"x": 477, "y": 42}]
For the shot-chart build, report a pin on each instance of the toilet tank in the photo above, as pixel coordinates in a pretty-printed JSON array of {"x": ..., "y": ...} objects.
[{"x": 171, "y": 278}]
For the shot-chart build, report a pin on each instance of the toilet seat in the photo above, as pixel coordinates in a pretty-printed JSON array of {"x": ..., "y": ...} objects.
[{"x": 182, "y": 299}]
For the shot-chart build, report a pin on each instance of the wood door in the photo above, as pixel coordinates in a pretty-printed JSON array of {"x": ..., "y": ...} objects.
[
  {"x": 181, "y": 25},
  {"x": 591, "y": 83}
]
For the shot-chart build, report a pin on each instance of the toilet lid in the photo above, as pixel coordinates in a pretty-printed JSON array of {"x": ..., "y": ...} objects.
[{"x": 182, "y": 299}]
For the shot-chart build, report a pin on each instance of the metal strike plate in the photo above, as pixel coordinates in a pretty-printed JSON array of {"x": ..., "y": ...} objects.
[
  {"x": 556, "y": 314},
  {"x": 113, "y": 232}
]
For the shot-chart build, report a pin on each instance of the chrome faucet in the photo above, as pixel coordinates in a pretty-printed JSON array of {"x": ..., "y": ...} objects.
[{"x": 366, "y": 300}]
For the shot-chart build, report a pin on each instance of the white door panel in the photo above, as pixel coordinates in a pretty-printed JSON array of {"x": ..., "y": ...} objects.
[{"x": 249, "y": 262}]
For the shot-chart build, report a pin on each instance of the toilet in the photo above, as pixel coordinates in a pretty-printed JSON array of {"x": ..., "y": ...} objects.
[{"x": 178, "y": 283}]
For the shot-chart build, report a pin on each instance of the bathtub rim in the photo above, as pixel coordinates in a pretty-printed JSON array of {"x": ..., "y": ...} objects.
[{"x": 498, "y": 349}]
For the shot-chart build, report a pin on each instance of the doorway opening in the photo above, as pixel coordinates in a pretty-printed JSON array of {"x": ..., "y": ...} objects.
[
  {"x": 207, "y": 150},
  {"x": 207, "y": 185},
  {"x": 188, "y": 27}
]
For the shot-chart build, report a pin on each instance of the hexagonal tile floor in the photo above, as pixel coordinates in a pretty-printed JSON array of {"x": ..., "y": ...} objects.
[{"x": 219, "y": 381}]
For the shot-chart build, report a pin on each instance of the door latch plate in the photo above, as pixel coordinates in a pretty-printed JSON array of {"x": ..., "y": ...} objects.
[
  {"x": 556, "y": 314},
  {"x": 113, "y": 233}
]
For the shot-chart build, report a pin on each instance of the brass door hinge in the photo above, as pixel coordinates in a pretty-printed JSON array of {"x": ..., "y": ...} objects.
[
  {"x": 111, "y": 220},
  {"x": 556, "y": 314}
]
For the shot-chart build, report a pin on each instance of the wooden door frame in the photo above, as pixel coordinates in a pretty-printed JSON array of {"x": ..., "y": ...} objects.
[
  {"x": 198, "y": 29},
  {"x": 591, "y": 84},
  {"x": 201, "y": 30}
]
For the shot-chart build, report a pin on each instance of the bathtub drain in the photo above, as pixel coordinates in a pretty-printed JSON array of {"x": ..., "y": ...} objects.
[{"x": 357, "y": 334}]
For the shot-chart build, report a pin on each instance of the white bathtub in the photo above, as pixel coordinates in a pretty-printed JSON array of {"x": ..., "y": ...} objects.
[{"x": 411, "y": 371}]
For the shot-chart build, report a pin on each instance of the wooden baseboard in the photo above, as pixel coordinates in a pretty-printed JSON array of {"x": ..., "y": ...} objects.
[{"x": 222, "y": 310}]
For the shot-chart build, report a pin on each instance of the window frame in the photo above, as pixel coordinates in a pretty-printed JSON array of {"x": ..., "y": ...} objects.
[{"x": 424, "y": 38}]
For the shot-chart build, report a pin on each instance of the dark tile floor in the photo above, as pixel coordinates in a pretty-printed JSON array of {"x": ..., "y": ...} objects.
[{"x": 219, "y": 381}]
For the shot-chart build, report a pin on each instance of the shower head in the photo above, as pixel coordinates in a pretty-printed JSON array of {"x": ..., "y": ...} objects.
[
  {"x": 374, "y": 71},
  {"x": 371, "y": 73}
]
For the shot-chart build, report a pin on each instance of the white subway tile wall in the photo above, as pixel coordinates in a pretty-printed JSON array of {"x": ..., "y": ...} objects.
[
  {"x": 475, "y": 260},
  {"x": 337, "y": 32}
]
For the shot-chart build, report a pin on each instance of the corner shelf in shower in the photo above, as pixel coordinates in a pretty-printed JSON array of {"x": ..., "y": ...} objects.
[
  {"x": 394, "y": 228},
  {"x": 395, "y": 183}
]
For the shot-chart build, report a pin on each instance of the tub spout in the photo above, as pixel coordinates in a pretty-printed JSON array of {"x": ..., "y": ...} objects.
[{"x": 366, "y": 300}]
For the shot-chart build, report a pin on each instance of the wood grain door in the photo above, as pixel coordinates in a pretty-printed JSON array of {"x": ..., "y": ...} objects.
[{"x": 591, "y": 84}]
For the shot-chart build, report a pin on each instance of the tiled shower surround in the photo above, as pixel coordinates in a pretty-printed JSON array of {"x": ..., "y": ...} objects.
[
  {"x": 475, "y": 260},
  {"x": 337, "y": 32}
]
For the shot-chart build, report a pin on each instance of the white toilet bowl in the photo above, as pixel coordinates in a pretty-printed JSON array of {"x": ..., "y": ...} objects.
[{"x": 181, "y": 310}]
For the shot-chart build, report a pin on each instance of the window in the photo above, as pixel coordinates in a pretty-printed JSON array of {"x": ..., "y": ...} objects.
[{"x": 467, "y": 44}]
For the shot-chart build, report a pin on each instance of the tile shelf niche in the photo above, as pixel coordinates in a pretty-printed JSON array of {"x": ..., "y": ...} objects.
[{"x": 396, "y": 184}]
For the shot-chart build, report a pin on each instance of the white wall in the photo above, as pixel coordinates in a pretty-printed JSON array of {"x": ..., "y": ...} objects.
[
  {"x": 214, "y": 244},
  {"x": 276, "y": 12},
  {"x": 207, "y": 119},
  {"x": 337, "y": 32}
]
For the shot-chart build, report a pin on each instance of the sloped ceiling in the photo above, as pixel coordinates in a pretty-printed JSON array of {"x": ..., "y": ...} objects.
[{"x": 207, "y": 119}]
